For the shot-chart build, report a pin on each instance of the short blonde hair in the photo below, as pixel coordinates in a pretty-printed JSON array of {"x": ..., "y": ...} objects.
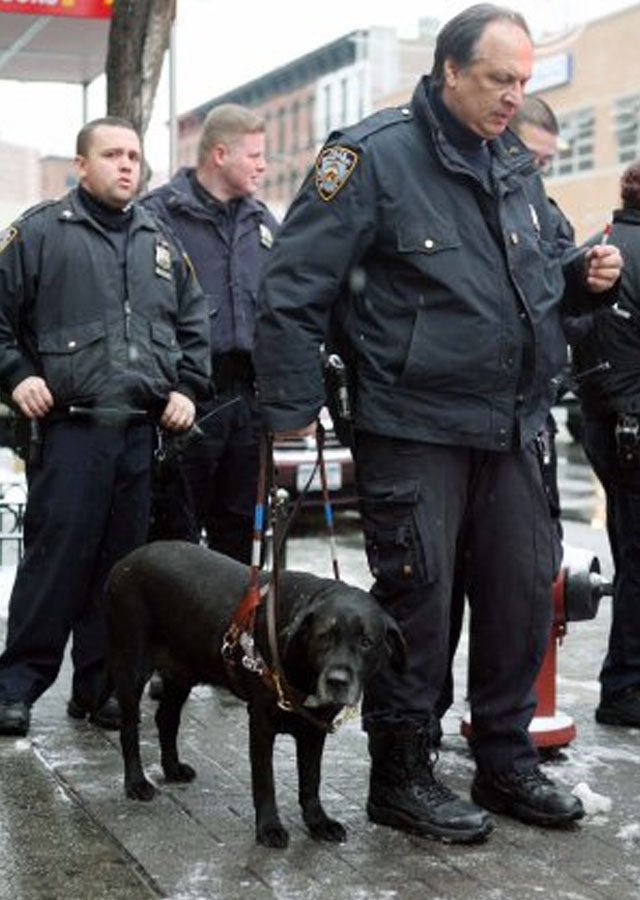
[{"x": 224, "y": 123}]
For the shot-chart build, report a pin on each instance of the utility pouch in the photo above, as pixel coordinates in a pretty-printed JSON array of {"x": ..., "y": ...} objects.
[{"x": 627, "y": 435}]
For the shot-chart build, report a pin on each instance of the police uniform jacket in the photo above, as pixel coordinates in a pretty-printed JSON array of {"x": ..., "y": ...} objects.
[
  {"x": 98, "y": 329},
  {"x": 447, "y": 286},
  {"x": 607, "y": 359},
  {"x": 228, "y": 245}
]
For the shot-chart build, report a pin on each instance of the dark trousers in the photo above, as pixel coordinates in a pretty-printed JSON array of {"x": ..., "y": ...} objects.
[
  {"x": 212, "y": 487},
  {"x": 87, "y": 506},
  {"x": 417, "y": 500},
  {"x": 547, "y": 456},
  {"x": 621, "y": 668}
]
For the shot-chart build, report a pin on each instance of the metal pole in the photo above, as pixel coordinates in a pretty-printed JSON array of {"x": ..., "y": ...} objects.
[{"x": 173, "y": 120}]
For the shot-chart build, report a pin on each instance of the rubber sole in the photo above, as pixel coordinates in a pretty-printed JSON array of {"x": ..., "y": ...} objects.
[
  {"x": 392, "y": 818},
  {"x": 524, "y": 813},
  {"x": 610, "y": 717}
]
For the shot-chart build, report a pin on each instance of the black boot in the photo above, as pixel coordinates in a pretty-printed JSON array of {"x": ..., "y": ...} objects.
[{"x": 404, "y": 793}]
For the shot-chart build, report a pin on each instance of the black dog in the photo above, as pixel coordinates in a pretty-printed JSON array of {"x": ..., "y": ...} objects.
[{"x": 169, "y": 605}]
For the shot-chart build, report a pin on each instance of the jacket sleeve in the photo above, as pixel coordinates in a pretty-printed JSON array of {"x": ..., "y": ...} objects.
[
  {"x": 15, "y": 362},
  {"x": 314, "y": 256},
  {"x": 194, "y": 370}
]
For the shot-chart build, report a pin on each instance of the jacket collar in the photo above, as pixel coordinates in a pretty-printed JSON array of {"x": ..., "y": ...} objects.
[
  {"x": 509, "y": 156},
  {"x": 630, "y": 216},
  {"x": 182, "y": 198},
  {"x": 73, "y": 210}
]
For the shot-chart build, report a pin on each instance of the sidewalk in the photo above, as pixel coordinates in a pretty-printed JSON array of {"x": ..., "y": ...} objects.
[{"x": 67, "y": 832}]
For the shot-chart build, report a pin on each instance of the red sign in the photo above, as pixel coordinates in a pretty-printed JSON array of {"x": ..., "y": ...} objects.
[{"x": 84, "y": 9}]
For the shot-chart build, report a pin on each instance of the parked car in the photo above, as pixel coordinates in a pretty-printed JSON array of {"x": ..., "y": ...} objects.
[{"x": 296, "y": 470}]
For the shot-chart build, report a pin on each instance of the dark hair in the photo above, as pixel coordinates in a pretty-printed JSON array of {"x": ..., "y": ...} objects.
[
  {"x": 535, "y": 111},
  {"x": 630, "y": 186},
  {"x": 83, "y": 140},
  {"x": 458, "y": 38}
]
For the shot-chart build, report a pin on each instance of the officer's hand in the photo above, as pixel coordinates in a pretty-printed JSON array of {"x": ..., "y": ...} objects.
[
  {"x": 32, "y": 397},
  {"x": 603, "y": 264},
  {"x": 308, "y": 430},
  {"x": 179, "y": 413}
]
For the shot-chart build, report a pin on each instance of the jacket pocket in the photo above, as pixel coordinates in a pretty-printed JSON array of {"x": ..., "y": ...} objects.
[
  {"x": 398, "y": 537},
  {"x": 427, "y": 240},
  {"x": 166, "y": 351},
  {"x": 74, "y": 361}
]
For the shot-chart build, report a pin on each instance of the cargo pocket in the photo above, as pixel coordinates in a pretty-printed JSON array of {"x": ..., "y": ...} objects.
[
  {"x": 74, "y": 361},
  {"x": 398, "y": 537}
]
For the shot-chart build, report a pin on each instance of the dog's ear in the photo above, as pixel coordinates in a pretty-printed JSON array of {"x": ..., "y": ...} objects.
[{"x": 395, "y": 643}]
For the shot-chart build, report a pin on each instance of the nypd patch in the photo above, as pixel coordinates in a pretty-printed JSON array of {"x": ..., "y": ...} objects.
[
  {"x": 7, "y": 236},
  {"x": 333, "y": 167}
]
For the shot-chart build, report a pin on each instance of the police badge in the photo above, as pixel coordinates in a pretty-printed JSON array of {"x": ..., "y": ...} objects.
[
  {"x": 333, "y": 167},
  {"x": 163, "y": 260}
]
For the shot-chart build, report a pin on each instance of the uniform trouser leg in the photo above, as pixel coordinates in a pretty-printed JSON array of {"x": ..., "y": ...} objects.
[
  {"x": 67, "y": 526},
  {"x": 621, "y": 667},
  {"x": 222, "y": 472},
  {"x": 126, "y": 528},
  {"x": 511, "y": 564},
  {"x": 416, "y": 500}
]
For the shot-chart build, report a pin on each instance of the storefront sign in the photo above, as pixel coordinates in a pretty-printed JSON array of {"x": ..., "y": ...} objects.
[{"x": 83, "y": 9}]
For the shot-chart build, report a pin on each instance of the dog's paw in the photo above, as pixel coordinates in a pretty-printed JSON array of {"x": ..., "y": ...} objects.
[
  {"x": 272, "y": 834},
  {"x": 179, "y": 772},
  {"x": 140, "y": 790},
  {"x": 327, "y": 830}
]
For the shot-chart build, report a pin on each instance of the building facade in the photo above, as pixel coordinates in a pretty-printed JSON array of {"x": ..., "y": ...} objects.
[{"x": 591, "y": 79}]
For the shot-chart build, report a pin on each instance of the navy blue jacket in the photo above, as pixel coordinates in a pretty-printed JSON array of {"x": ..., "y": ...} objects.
[
  {"x": 228, "y": 256},
  {"x": 607, "y": 357},
  {"x": 447, "y": 287},
  {"x": 98, "y": 331}
]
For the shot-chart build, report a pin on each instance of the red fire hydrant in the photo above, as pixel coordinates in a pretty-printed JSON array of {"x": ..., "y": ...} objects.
[{"x": 576, "y": 597}]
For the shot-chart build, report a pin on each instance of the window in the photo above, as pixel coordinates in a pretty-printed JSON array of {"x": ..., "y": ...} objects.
[
  {"x": 295, "y": 126},
  {"x": 281, "y": 129},
  {"x": 311, "y": 111},
  {"x": 627, "y": 125},
  {"x": 577, "y": 132}
]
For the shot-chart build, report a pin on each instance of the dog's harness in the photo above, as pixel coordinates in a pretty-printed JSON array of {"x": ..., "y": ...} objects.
[{"x": 238, "y": 644}]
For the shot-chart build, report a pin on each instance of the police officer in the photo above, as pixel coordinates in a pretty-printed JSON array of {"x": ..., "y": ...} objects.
[
  {"x": 102, "y": 334},
  {"x": 426, "y": 236},
  {"x": 228, "y": 234},
  {"x": 607, "y": 370},
  {"x": 536, "y": 125}
]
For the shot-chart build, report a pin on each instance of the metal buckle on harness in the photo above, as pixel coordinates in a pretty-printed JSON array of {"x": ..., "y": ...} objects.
[
  {"x": 283, "y": 703},
  {"x": 250, "y": 660}
]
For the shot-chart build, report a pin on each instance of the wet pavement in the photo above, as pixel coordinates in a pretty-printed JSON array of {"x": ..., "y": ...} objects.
[{"x": 67, "y": 832}]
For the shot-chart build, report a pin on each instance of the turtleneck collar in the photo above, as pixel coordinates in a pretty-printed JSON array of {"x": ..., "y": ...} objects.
[
  {"x": 469, "y": 145},
  {"x": 109, "y": 217}
]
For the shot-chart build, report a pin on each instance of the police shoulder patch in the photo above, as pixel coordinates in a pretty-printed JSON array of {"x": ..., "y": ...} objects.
[{"x": 334, "y": 165}]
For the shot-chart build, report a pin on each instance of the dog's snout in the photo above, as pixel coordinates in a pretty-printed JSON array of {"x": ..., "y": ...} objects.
[{"x": 338, "y": 677}]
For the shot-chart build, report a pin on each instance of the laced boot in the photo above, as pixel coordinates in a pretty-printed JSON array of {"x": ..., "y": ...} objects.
[
  {"x": 404, "y": 793},
  {"x": 530, "y": 796}
]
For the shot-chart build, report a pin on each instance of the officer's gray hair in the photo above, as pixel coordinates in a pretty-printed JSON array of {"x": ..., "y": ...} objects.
[
  {"x": 535, "y": 111},
  {"x": 83, "y": 140},
  {"x": 224, "y": 124},
  {"x": 458, "y": 38}
]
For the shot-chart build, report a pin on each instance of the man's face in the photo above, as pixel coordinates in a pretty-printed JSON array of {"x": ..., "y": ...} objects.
[
  {"x": 485, "y": 94},
  {"x": 110, "y": 170},
  {"x": 541, "y": 143},
  {"x": 242, "y": 165}
]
